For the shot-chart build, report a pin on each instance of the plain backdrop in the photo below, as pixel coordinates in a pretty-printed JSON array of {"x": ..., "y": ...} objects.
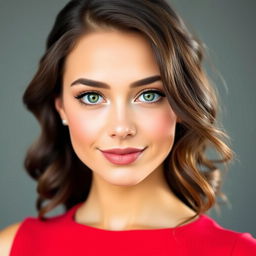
[{"x": 228, "y": 30}]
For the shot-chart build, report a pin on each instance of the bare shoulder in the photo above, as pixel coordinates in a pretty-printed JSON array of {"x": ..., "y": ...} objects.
[{"x": 7, "y": 237}]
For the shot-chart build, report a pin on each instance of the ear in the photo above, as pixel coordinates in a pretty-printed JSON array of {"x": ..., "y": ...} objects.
[{"x": 58, "y": 102}]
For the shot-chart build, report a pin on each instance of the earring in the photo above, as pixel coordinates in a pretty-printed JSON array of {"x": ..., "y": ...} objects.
[{"x": 64, "y": 122}]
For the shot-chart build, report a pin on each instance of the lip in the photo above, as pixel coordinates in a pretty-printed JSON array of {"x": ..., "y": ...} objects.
[
  {"x": 122, "y": 151},
  {"x": 122, "y": 159}
]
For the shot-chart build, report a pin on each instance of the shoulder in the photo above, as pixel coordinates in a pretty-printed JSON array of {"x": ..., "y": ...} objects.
[
  {"x": 245, "y": 245},
  {"x": 7, "y": 236},
  {"x": 220, "y": 239}
]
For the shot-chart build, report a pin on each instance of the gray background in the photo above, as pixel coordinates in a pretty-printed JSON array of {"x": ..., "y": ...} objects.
[{"x": 226, "y": 27}]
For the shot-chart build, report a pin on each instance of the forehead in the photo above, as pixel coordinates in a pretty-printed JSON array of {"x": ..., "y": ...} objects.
[{"x": 109, "y": 53}]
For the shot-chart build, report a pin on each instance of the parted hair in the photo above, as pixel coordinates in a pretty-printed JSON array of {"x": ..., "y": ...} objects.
[{"x": 196, "y": 179}]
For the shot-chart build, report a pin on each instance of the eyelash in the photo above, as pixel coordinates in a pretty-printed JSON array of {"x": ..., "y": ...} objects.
[{"x": 81, "y": 95}]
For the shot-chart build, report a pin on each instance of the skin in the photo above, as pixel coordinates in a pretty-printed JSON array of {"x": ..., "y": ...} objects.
[{"x": 129, "y": 196}]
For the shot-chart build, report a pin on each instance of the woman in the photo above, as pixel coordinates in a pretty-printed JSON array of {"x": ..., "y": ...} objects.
[{"x": 131, "y": 170}]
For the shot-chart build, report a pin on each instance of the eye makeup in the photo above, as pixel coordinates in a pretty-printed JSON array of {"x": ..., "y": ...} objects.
[{"x": 88, "y": 93}]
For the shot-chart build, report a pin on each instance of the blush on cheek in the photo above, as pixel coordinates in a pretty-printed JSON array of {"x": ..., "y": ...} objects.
[
  {"x": 83, "y": 130},
  {"x": 160, "y": 124}
]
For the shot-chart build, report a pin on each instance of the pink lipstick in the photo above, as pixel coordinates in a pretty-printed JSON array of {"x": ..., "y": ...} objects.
[{"x": 122, "y": 156}]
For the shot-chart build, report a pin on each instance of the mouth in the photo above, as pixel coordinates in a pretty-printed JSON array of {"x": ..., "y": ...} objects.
[
  {"x": 122, "y": 158},
  {"x": 123, "y": 151}
]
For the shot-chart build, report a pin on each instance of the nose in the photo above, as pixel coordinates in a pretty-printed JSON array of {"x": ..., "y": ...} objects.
[
  {"x": 122, "y": 131},
  {"x": 122, "y": 124}
]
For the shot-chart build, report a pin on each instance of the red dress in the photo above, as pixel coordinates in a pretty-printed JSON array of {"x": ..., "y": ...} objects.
[{"x": 62, "y": 235}]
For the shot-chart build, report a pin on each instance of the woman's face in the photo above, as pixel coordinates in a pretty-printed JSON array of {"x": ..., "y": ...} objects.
[{"x": 119, "y": 116}]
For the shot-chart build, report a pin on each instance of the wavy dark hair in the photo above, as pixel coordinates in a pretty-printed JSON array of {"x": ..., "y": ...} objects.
[{"x": 192, "y": 176}]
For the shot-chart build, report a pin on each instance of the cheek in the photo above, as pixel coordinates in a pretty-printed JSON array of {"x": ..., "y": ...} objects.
[
  {"x": 159, "y": 125},
  {"x": 84, "y": 128}
]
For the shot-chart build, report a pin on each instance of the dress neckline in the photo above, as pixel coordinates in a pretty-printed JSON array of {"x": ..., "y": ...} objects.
[{"x": 70, "y": 214}]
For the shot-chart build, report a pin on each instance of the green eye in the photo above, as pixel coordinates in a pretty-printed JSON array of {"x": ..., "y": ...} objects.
[
  {"x": 150, "y": 95},
  {"x": 91, "y": 98}
]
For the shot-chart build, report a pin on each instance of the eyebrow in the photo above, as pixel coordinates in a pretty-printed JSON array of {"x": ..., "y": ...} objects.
[{"x": 98, "y": 84}]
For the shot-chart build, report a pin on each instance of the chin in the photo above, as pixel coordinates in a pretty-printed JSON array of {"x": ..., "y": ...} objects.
[{"x": 121, "y": 179}]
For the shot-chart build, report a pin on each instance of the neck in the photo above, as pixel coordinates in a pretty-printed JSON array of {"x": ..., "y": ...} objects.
[{"x": 148, "y": 203}]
